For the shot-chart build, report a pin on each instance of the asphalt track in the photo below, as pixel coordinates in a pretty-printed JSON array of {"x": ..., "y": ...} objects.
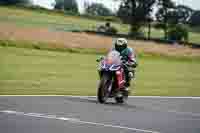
[{"x": 84, "y": 115}]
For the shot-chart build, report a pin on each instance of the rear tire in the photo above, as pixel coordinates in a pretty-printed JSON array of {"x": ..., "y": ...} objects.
[
  {"x": 123, "y": 98},
  {"x": 102, "y": 94},
  {"x": 119, "y": 100}
]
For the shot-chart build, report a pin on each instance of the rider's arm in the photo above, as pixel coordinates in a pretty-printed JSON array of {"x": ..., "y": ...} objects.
[{"x": 132, "y": 58}]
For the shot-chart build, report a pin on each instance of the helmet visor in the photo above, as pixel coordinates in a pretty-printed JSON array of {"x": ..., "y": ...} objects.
[{"x": 120, "y": 47}]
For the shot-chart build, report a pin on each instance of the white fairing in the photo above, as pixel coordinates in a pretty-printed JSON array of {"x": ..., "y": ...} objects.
[{"x": 115, "y": 56}]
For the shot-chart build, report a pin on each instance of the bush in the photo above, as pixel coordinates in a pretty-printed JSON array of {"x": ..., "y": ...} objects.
[
  {"x": 178, "y": 33},
  {"x": 97, "y": 9}
]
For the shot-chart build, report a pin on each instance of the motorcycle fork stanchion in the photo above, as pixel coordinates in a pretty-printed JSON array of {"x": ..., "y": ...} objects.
[
  {"x": 109, "y": 85},
  {"x": 120, "y": 82},
  {"x": 120, "y": 78}
]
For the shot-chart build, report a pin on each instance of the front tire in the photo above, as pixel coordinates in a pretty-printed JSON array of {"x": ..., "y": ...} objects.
[{"x": 103, "y": 92}]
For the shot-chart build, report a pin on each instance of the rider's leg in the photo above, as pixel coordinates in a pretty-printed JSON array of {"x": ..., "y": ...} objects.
[
  {"x": 127, "y": 78},
  {"x": 130, "y": 74}
]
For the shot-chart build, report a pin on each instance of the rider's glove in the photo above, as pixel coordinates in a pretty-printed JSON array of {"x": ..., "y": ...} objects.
[
  {"x": 99, "y": 59},
  {"x": 134, "y": 64}
]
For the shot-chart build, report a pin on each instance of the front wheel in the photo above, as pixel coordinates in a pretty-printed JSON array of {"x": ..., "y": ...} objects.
[{"x": 104, "y": 88}]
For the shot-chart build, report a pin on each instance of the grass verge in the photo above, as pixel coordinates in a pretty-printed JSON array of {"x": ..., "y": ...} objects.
[{"x": 48, "y": 71}]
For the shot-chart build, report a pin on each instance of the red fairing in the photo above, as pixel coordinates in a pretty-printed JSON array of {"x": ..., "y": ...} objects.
[{"x": 120, "y": 78}]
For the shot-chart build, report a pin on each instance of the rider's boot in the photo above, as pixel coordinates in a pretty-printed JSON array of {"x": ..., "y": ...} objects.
[{"x": 129, "y": 77}]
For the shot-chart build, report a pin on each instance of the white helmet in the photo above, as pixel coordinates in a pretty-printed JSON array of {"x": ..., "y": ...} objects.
[{"x": 121, "y": 44}]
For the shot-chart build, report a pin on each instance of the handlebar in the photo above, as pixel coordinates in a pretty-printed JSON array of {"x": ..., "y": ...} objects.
[{"x": 100, "y": 58}]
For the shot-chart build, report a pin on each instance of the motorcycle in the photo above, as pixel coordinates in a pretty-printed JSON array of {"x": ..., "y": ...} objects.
[{"x": 112, "y": 78}]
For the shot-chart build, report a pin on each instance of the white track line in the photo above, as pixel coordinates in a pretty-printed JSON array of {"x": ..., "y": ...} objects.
[
  {"x": 164, "y": 97},
  {"x": 158, "y": 97},
  {"x": 73, "y": 120}
]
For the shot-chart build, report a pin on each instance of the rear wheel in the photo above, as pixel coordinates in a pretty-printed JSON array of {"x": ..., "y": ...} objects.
[
  {"x": 119, "y": 100},
  {"x": 103, "y": 89},
  {"x": 121, "y": 97}
]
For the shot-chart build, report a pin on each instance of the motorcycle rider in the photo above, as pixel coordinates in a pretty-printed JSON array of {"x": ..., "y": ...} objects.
[{"x": 128, "y": 58}]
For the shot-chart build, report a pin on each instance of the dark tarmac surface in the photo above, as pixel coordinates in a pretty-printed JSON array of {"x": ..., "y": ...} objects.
[{"x": 85, "y": 115}]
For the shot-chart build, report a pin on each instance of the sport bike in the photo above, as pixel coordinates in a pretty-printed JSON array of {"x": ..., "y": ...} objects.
[{"x": 112, "y": 78}]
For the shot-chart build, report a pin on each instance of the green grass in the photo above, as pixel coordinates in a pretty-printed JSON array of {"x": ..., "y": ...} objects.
[
  {"x": 53, "y": 21},
  {"x": 59, "y": 22},
  {"x": 41, "y": 72}
]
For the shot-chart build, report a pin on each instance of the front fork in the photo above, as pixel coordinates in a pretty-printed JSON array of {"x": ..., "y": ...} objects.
[{"x": 120, "y": 78}]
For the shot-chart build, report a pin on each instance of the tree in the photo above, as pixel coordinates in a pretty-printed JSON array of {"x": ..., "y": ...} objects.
[
  {"x": 179, "y": 14},
  {"x": 67, "y": 5},
  {"x": 14, "y": 2},
  {"x": 174, "y": 14},
  {"x": 136, "y": 13},
  {"x": 59, "y": 4},
  {"x": 165, "y": 11},
  {"x": 172, "y": 18},
  {"x": 184, "y": 13},
  {"x": 178, "y": 32},
  {"x": 195, "y": 19},
  {"x": 97, "y": 9},
  {"x": 71, "y": 5},
  {"x": 125, "y": 12}
]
